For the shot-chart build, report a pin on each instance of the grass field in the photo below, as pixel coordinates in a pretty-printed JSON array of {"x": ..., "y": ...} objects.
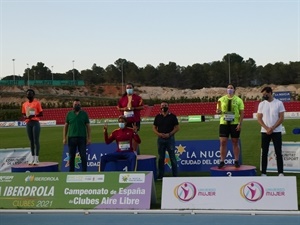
[{"x": 52, "y": 147}]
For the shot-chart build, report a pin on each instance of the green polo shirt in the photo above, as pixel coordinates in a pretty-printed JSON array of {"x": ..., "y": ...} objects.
[{"x": 77, "y": 123}]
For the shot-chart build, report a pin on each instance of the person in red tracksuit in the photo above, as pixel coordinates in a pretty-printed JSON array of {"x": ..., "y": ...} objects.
[
  {"x": 124, "y": 136},
  {"x": 130, "y": 105}
]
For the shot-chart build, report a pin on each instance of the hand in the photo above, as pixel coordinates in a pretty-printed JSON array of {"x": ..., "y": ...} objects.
[
  {"x": 64, "y": 141},
  {"x": 88, "y": 141},
  {"x": 270, "y": 130},
  {"x": 105, "y": 126},
  {"x": 218, "y": 111},
  {"x": 165, "y": 136},
  {"x": 135, "y": 128},
  {"x": 238, "y": 127}
]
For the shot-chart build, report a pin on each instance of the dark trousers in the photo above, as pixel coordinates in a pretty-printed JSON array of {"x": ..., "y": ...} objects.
[
  {"x": 265, "y": 143},
  {"x": 77, "y": 143},
  {"x": 115, "y": 156},
  {"x": 33, "y": 129},
  {"x": 169, "y": 146}
]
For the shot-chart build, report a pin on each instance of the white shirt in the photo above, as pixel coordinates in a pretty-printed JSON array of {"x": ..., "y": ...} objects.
[{"x": 270, "y": 113}]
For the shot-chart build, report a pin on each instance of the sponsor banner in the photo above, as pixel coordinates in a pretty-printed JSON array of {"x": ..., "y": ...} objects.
[
  {"x": 13, "y": 156},
  {"x": 194, "y": 118},
  {"x": 200, "y": 118},
  {"x": 191, "y": 156},
  {"x": 23, "y": 124},
  {"x": 111, "y": 190},
  {"x": 48, "y": 122},
  {"x": 239, "y": 193},
  {"x": 284, "y": 96},
  {"x": 8, "y": 124},
  {"x": 286, "y": 115},
  {"x": 102, "y": 121},
  {"x": 291, "y": 114},
  {"x": 147, "y": 119},
  {"x": 94, "y": 152},
  {"x": 291, "y": 157},
  {"x": 199, "y": 155}
]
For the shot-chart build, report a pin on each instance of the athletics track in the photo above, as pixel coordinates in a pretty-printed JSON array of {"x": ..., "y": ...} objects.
[{"x": 148, "y": 217}]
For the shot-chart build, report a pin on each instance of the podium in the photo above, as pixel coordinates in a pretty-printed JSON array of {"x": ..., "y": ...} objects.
[
  {"x": 144, "y": 163},
  {"x": 41, "y": 167},
  {"x": 230, "y": 171}
]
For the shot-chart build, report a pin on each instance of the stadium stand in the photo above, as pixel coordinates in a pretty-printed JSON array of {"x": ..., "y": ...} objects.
[
  {"x": 58, "y": 114},
  {"x": 180, "y": 109}
]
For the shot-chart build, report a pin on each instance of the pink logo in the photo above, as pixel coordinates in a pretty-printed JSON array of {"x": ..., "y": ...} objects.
[
  {"x": 252, "y": 191},
  {"x": 185, "y": 191}
]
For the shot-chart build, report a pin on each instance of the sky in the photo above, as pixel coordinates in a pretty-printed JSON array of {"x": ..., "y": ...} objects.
[{"x": 66, "y": 33}]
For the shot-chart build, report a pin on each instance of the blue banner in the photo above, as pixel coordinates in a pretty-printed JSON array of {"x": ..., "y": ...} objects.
[
  {"x": 93, "y": 152},
  {"x": 284, "y": 96},
  {"x": 191, "y": 156}
]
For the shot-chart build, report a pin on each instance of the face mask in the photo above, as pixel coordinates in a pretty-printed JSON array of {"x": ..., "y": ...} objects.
[
  {"x": 77, "y": 108},
  {"x": 164, "y": 109},
  {"x": 230, "y": 91},
  {"x": 265, "y": 97},
  {"x": 129, "y": 91},
  {"x": 30, "y": 98},
  {"x": 122, "y": 125}
]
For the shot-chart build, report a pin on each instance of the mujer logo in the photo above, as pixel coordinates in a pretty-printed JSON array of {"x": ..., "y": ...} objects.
[
  {"x": 185, "y": 191},
  {"x": 252, "y": 191}
]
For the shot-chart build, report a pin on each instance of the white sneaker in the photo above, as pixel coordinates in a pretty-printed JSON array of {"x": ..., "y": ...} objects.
[
  {"x": 31, "y": 161},
  {"x": 36, "y": 162},
  {"x": 263, "y": 175},
  {"x": 281, "y": 175}
]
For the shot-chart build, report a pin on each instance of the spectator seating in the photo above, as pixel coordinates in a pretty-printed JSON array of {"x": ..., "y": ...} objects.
[
  {"x": 102, "y": 112},
  {"x": 292, "y": 106},
  {"x": 58, "y": 114},
  {"x": 179, "y": 109}
]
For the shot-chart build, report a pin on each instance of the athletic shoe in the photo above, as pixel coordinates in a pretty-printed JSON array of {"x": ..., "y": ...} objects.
[
  {"x": 36, "y": 162},
  {"x": 31, "y": 161},
  {"x": 281, "y": 175},
  {"x": 236, "y": 164},
  {"x": 221, "y": 165},
  {"x": 263, "y": 175}
]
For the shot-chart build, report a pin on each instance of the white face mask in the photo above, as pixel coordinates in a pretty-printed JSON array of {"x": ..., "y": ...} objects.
[
  {"x": 129, "y": 91},
  {"x": 122, "y": 125}
]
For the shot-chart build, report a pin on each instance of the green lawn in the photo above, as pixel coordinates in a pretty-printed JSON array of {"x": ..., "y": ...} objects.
[{"x": 52, "y": 147}]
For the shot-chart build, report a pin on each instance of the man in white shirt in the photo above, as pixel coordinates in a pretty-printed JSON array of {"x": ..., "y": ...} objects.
[{"x": 270, "y": 116}]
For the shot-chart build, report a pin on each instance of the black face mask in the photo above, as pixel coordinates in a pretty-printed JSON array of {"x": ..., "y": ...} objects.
[
  {"x": 164, "y": 109},
  {"x": 30, "y": 98},
  {"x": 265, "y": 97},
  {"x": 77, "y": 108}
]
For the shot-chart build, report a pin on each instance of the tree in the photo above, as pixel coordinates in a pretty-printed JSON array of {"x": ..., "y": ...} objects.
[
  {"x": 112, "y": 74},
  {"x": 93, "y": 76},
  {"x": 39, "y": 72},
  {"x": 132, "y": 73},
  {"x": 150, "y": 75}
]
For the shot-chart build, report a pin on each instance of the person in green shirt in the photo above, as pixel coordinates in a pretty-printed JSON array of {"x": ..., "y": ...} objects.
[
  {"x": 77, "y": 133},
  {"x": 231, "y": 110}
]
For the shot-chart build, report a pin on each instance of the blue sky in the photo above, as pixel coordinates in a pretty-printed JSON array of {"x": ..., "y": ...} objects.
[{"x": 56, "y": 32}]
